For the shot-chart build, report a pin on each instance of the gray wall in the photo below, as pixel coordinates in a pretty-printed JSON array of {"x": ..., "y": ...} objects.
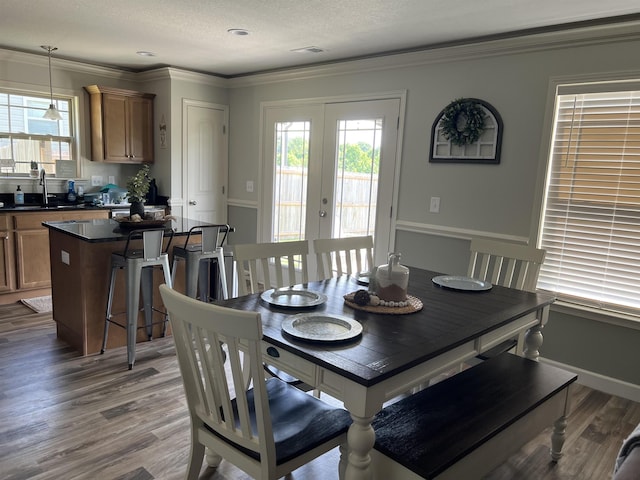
[{"x": 499, "y": 201}]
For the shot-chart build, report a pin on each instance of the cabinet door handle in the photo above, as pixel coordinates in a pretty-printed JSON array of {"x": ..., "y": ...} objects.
[{"x": 192, "y": 202}]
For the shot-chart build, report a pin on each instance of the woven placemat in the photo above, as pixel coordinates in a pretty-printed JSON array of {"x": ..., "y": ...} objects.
[{"x": 415, "y": 305}]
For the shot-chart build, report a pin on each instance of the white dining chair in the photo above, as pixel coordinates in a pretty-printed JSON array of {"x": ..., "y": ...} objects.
[
  {"x": 337, "y": 256},
  {"x": 509, "y": 265},
  {"x": 267, "y": 430},
  {"x": 261, "y": 266},
  {"x": 505, "y": 264}
]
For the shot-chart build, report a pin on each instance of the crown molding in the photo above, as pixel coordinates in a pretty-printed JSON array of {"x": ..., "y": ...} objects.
[
  {"x": 68, "y": 65},
  {"x": 583, "y": 36},
  {"x": 171, "y": 73},
  {"x": 624, "y": 31}
]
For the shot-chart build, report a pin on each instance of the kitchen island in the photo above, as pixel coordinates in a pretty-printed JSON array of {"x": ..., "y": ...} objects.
[{"x": 80, "y": 254}]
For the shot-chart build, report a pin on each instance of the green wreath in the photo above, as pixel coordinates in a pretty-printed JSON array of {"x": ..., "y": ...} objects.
[{"x": 462, "y": 122}]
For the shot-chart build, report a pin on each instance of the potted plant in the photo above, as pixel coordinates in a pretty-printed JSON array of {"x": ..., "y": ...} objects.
[
  {"x": 137, "y": 189},
  {"x": 34, "y": 170}
]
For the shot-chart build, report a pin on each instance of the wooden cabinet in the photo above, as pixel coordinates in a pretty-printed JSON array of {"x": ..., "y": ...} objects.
[
  {"x": 7, "y": 272},
  {"x": 25, "y": 267},
  {"x": 121, "y": 125}
]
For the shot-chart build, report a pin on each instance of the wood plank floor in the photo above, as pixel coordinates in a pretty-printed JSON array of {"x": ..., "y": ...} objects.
[{"x": 63, "y": 416}]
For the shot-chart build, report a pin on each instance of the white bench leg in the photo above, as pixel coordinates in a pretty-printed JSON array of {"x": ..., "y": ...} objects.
[{"x": 558, "y": 437}]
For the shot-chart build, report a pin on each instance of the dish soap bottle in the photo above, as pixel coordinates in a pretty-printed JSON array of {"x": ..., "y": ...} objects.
[
  {"x": 71, "y": 194},
  {"x": 392, "y": 280},
  {"x": 18, "y": 197}
]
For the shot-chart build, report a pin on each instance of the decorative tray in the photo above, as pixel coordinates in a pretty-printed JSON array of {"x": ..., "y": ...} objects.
[
  {"x": 414, "y": 304},
  {"x": 322, "y": 327},
  {"x": 126, "y": 222},
  {"x": 293, "y": 297}
]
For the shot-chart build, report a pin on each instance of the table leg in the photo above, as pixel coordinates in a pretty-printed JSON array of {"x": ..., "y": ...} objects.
[
  {"x": 533, "y": 338},
  {"x": 360, "y": 440},
  {"x": 532, "y": 342}
]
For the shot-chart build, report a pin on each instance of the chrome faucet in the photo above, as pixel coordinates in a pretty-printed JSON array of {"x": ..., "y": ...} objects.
[{"x": 43, "y": 182}]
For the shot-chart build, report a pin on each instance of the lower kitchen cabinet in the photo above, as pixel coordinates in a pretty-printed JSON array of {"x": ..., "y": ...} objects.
[
  {"x": 25, "y": 267},
  {"x": 7, "y": 272}
]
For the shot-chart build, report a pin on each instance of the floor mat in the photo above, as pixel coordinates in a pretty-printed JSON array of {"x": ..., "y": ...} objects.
[{"x": 39, "y": 304}]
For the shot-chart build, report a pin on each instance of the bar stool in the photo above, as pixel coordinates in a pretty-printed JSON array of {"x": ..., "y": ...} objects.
[
  {"x": 199, "y": 258},
  {"x": 138, "y": 265}
]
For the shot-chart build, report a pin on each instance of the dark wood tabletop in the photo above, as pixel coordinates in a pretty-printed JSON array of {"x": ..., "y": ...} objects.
[{"x": 390, "y": 344}]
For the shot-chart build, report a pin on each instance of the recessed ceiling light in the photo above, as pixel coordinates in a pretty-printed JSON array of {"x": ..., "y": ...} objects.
[
  {"x": 308, "y": 50},
  {"x": 238, "y": 31},
  {"x": 143, "y": 53}
]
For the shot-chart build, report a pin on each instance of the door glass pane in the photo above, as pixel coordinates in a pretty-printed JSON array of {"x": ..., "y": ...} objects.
[
  {"x": 357, "y": 168},
  {"x": 291, "y": 176}
]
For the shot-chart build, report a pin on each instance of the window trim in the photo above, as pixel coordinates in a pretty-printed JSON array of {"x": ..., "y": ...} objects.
[
  {"x": 592, "y": 83},
  {"x": 76, "y": 132}
]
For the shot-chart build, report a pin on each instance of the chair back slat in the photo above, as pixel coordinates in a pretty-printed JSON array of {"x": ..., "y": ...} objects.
[
  {"x": 261, "y": 266},
  {"x": 267, "y": 428},
  {"x": 337, "y": 256},
  {"x": 206, "y": 335},
  {"x": 506, "y": 264}
]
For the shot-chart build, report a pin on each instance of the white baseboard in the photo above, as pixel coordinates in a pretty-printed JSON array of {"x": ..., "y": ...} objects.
[{"x": 609, "y": 385}]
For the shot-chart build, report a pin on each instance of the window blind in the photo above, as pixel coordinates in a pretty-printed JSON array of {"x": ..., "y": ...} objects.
[{"x": 591, "y": 218}]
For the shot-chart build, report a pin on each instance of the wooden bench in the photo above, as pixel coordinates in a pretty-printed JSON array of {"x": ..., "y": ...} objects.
[{"x": 466, "y": 425}]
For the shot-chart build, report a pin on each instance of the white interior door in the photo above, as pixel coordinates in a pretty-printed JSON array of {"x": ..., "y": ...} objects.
[
  {"x": 206, "y": 165},
  {"x": 329, "y": 171}
]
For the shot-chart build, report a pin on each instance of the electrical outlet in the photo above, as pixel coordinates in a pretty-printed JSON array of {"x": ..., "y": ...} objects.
[
  {"x": 434, "y": 206},
  {"x": 96, "y": 180},
  {"x": 249, "y": 186}
]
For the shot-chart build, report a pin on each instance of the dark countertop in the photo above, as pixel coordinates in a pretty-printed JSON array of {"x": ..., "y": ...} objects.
[
  {"x": 39, "y": 208},
  {"x": 108, "y": 230}
]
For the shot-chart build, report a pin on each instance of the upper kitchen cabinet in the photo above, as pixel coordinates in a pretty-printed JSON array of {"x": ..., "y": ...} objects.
[{"x": 121, "y": 125}]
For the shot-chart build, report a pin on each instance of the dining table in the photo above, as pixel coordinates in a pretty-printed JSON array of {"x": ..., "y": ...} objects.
[{"x": 392, "y": 350}]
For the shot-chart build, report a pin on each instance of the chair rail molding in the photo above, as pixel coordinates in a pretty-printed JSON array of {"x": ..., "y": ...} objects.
[{"x": 455, "y": 232}]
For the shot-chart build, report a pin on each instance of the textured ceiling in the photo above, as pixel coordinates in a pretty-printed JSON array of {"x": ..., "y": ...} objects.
[{"x": 192, "y": 34}]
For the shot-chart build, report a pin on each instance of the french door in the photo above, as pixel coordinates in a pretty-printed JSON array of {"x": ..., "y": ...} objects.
[{"x": 329, "y": 171}]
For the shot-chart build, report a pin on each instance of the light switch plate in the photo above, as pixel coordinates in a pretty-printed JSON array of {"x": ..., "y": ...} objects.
[
  {"x": 65, "y": 257},
  {"x": 434, "y": 205}
]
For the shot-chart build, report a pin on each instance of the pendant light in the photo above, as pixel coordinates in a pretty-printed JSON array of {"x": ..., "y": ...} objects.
[{"x": 52, "y": 113}]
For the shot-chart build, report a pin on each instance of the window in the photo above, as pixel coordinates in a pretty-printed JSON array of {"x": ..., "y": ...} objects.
[
  {"x": 591, "y": 216},
  {"x": 26, "y": 137}
]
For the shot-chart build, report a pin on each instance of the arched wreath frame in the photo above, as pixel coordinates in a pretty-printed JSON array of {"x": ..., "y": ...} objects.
[{"x": 486, "y": 149}]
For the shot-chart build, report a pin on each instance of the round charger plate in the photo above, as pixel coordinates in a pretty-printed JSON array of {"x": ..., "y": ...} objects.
[
  {"x": 293, "y": 297},
  {"x": 362, "y": 278},
  {"x": 461, "y": 283},
  {"x": 321, "y": 327}
]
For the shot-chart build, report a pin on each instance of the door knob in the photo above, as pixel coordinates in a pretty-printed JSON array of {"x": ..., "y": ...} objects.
[
  {"x": 192, "y": 202},
  {"x": 322, "y": 213}
]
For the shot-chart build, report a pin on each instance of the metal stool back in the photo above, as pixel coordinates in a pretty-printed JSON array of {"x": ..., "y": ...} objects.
[
  {"x": 199, "y": 259},
  {"x": 138, "y": 265}
]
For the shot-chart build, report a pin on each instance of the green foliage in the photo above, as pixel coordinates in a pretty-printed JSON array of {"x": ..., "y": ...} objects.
[
  {"x": 462, "y": 122},
  {"x": 359, "y": 158},
  {"x": 138, "y": 185}
]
